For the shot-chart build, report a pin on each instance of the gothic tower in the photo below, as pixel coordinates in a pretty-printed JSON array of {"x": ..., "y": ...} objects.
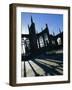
[
  {"x": 47, "y": 29},
  {"x": 32, "y": 37}
]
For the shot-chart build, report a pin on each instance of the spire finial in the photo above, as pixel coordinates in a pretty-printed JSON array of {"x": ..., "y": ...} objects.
[
  {"x": 59, "y": 30},
  {"x": 46, "y": 26},
  {"x": 28, "y": 26},
  {"x": 31, "y": 20}
]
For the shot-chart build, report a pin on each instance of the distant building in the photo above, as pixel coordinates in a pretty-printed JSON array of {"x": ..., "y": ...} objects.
[{"x": 35, "y": 42}]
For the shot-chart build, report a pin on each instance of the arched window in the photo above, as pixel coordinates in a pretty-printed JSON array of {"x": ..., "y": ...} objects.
[
  {"x": 27, "y": 43},
  {"x": 46, "y": 38},
  {"x": 22, "y": 46},
  {"x": 41, "y": 41},
  {"x": 59, "y": 41}
]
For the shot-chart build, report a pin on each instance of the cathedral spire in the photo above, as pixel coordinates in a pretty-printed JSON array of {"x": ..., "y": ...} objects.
[
  {"x": 31, "y": 20},
  {"x": 46, "y": 26},
  {"x": 59, "y": 30},
  {"x": 28, "y": 26}
]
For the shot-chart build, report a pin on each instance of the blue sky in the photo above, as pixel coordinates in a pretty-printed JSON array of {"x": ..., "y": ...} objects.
[{"x": 54, "y": 22}]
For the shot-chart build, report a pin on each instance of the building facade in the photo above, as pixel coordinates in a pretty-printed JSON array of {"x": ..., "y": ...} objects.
[{"x": 34, "y": 43}]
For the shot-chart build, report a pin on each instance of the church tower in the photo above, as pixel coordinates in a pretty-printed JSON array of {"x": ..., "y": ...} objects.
[
  {"x": 48, "y": 34},
  {"x": 32, "y": 37}
]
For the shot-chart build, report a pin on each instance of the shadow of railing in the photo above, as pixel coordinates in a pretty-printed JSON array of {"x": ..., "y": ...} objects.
[
  {"x": 36, "y": 74},
  {"x": 40, "y": 60},
  {"x": 59, "y": 66},
  {"x": 51, "y": 71}
]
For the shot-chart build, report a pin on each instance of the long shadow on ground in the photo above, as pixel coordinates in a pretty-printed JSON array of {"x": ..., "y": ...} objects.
[{"x": 48, "y": 69}]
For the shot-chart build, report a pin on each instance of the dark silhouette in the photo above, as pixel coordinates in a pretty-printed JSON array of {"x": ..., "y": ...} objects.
[
  {"x": 48, "y": 69},
  {"x": 36, "y": 43},
  {"x": 42, "y": 46}
]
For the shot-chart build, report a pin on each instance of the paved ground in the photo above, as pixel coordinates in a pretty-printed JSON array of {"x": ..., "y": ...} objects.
[{"x": 41, "y": 67}]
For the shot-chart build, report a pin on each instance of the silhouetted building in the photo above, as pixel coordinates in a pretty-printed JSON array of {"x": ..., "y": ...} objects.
[
  {"x": 32, "y": 37},
  {"x": 42, "y": 41}
]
